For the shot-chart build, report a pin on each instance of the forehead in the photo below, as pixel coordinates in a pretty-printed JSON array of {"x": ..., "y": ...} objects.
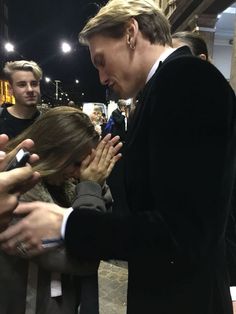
[
  {"x": 99, "y": 44},
  {"x": 21, "y": 75}
]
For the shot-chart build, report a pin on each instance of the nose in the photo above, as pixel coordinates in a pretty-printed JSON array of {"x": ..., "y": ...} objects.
[
  {"x": 103, "y": 77},
  {"x": 29, "y": 87}
]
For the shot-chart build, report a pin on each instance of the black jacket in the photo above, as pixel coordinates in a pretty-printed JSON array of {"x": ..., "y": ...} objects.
[
  {"x": 118, "y": 127},
  {"x": 179, "y": 174}
]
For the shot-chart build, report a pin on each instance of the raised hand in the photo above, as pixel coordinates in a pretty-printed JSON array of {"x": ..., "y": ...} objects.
[
  {"x": 98, "y": 166},
  {"x": 14, "y": 182}
]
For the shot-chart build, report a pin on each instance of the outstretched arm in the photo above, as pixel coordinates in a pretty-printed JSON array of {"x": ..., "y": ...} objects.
[{"x": 44, "y": 219}]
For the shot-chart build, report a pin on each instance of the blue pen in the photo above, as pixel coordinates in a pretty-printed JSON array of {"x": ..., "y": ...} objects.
[{"x": 52, "y": 242}]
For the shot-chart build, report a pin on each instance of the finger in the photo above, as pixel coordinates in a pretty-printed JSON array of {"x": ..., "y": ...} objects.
[
  {"x": 28, "y": 144},
  {"x": 31, "y": 251},
  {"x": 15, "y": 244},
  {"x": 114, "y": 140},
  {"x": 5, "y": 220},
  {"x": 29, "y": 184},
  {"x": 117, "y": 148},
  {"x": 7, "y": 204},
  {"x": 85, "y": 162},
  {"x": 33, "y": 158},
  {"x": 11, "y": 179},
  {"x": 3, "y": 140},
  {"x": 107, "y": 156},
  {"x": 9, "y": 236},
  {"x": 99, "y": 150},
  {"x": 112, "y": 163},
  {"x": 2, "y": 156},
  {"x": 25, "y": 208},
  {"x": 93, "y": 153},
  {"x": 107, "y": 137},
  {"x": 18, "y": 233}
]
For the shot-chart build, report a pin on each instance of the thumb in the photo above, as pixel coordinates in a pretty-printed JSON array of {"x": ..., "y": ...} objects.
[{"x": 15, "y": 177}]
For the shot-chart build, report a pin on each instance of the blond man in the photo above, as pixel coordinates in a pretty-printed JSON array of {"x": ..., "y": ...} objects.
[
  {"x": 24, "y": 82},
  {"x": 179, "y": 169}
]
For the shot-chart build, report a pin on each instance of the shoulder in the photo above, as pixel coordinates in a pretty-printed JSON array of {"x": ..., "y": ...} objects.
[
  {"x": 37, "y": 193},
  {"x": 187, "y": 75},
  {"x": 182, "y": 66},
  {"x": 115, "y": 111},
  {"x": 3, "y": 111},
  {"x": 188, "y": 86}
]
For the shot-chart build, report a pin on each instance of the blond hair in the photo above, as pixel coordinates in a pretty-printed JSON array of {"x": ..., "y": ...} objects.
[
  {"x": 112, "y": 19},
  {"x": 22, "y": 65}
]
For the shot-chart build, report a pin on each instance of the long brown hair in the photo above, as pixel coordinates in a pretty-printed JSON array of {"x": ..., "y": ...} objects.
[{"x": 62, "y": 135}]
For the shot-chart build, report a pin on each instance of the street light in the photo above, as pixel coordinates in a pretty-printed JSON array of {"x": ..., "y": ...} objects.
[
  {"x": 47, "y": 79},
  {"x": 77, "y": 81},
  {"x": 65, "y": 47},
  {"x": 9, "y": 47}
]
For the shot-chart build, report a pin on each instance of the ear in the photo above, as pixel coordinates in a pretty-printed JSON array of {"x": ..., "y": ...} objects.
[
  {"x": 202, "y": 56},
  {"x": 132, "y": 32}
]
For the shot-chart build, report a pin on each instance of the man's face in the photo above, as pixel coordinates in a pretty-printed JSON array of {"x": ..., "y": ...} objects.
[
  {"x": 122, "y": 108},
  {"x": 25, "y": 88},
  {"x": 116, "y": 65}
]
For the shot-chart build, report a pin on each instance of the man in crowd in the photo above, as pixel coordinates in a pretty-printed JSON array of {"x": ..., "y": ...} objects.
[
  {"x": 119, "y": 118},
  {"x": 24, "y": 82},
  {"x": 179, "y": 170}
]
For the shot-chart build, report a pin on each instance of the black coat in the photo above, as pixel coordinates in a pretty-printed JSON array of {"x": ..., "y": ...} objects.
[
  {"x": 179, "y": 174},
  {"x": 118, "y": 127}
]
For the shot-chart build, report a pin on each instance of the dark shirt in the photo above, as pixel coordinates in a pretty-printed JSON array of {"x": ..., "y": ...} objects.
[{"x": 13, "y": 126}]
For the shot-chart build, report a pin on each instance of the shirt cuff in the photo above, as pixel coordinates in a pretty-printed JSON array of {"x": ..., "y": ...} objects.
[
  {"x": 233, "y": 293},
  {"x": 67, "y": 213}
]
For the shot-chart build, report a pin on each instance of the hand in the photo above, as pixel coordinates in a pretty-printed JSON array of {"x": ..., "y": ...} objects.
[
  {"x": 3, "y": 140},
  {"x": 98, "y": 166},
  {"x": 28, "y": 144},
  {"x": 234, "y": 307},
  {"x": 43, "y": 221},
  {"x": 12, "y": 183}
]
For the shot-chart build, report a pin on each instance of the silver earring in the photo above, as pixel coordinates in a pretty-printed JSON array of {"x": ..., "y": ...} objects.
[{"x": 131, "y": 44}]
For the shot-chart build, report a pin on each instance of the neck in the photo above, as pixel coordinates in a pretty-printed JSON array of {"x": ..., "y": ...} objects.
[
  {"x": 150, "y": 53},
  {"x": 155, "y": 51},
  {"x": 22, "y": 112}
]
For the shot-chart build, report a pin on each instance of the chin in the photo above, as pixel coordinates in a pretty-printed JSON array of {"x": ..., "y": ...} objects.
[{"x": 32, "y": 104}]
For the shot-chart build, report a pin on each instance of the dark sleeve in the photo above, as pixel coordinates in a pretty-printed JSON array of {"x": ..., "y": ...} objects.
[
  {"x": 118, "y": 117},
  {"x": 231, "y": 239},
  {"x": 90, "y": 196},
  {"x": 190, "y": 143}
]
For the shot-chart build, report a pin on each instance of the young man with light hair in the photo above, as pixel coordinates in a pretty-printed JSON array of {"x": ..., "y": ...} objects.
[
  {"x": 24, "y": 82},
  {"x": 179, "y": 170}
]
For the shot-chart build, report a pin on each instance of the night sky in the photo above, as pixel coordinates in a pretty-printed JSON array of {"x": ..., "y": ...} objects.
[{"x": 37, "y": 29}]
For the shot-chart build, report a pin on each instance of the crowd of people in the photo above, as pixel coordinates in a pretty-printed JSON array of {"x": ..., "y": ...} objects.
[{"x": 176, "y": 162}]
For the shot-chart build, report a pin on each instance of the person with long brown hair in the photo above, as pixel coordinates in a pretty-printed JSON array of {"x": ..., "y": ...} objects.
[{"x": 69, "y": 150}]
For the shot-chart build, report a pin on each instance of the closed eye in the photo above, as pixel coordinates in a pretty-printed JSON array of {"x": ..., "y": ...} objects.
[{"x": 99, "y": 61}]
